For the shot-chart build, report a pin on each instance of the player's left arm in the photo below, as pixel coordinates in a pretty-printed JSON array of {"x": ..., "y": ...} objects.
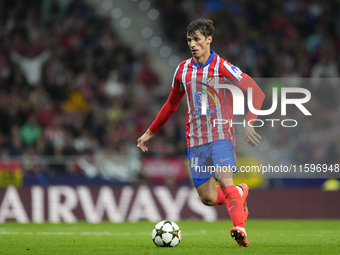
[
  {"x": 249, "y": 133},
  {"x": 244, "y": 81}
]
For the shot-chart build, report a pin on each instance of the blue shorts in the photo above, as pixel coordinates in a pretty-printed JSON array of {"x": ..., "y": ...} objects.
[{"x": 204, "y": 159}]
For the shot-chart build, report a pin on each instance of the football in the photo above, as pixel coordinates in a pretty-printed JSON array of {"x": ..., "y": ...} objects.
[{"x": 166, "y": 233}]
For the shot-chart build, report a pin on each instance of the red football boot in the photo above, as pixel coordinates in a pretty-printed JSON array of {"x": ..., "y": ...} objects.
[{"x": 239, "y": 236}]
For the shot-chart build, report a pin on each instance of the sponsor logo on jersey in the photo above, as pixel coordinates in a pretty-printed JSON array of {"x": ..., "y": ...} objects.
[{"x": 235, "y": 71}]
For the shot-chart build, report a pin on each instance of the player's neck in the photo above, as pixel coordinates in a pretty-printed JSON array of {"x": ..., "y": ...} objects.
[{"x": 202, "y": 59}]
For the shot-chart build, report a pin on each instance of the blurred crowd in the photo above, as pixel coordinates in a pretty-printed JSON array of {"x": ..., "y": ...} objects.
[
  {"x": 69, "y": 87},
  {"x": 293, "y": 38}
]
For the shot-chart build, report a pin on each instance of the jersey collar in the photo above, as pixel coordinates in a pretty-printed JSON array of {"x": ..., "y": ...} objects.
[{"x": 212, "y": 55}]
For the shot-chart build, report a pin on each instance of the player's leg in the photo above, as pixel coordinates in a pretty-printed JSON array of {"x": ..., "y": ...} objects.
[
  {"x": 234, "y": 206},
  {"x": 244, "y": 191},
  {"x": 234, "y": 201},
  {"x": 210, "y": 193},
  {"x": 207, "y": 192},
  {"x": 218, "y": 152},
  {"x": 202, "y": 178},
  {"x": 223, "y": 156}
]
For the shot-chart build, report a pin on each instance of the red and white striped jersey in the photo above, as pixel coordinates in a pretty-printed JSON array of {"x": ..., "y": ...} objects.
[{"x": 198, "y": 82}]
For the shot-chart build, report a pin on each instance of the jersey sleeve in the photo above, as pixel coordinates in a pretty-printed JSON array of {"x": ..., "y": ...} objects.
[
  {"x": 176, "y": 81},
  {"x": 244, "y": 81},
  {"x": 171, "y": 105},
  {"x": 167, "y": 110}
]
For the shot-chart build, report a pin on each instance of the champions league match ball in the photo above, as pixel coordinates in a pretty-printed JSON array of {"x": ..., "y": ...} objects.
[{"x": 166, "y": 233}]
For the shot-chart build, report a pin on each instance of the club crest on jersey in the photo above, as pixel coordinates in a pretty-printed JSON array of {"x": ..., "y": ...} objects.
[{"x": 210, "y": 81}]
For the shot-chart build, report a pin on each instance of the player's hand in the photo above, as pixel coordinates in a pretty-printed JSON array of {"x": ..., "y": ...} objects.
[
  {"x": 250, "y": 135},
  {"x": 143, "y": 140}
]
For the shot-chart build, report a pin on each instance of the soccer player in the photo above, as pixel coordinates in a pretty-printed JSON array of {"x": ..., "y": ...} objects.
[{"x": 209, "y": 128}]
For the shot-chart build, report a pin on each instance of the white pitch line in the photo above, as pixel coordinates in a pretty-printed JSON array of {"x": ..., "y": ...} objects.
[
  {"x": 8, "y": 233},
  {"x": 96, "y": 233},
  {"x": 105, "y": 233},
  {"x": 55, "y": 233}
]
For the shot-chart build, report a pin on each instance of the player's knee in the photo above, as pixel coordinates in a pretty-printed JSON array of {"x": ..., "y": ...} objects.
[
  {"x": 208, "y": 199},
  {"x": 224, "y": 182}
]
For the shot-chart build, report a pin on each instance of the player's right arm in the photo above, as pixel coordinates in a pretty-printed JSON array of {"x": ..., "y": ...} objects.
[
  {"x": 168, "y": 109},
  {"x": 144, "y": 139},
  {"x": 163, "y": 116}
]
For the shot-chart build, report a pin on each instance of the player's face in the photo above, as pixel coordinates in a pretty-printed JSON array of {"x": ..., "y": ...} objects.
[{"x": 198, "y": 44}]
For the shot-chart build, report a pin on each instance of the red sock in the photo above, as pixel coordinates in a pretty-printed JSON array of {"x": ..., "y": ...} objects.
[
  {"x": 234, "y": 205},
  {"x": 221, "y": 199}
]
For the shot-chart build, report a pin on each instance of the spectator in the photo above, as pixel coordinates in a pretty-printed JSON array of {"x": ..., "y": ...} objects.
[
  {"x": 31, "y": 65},
  {"x": 30, "y": 131}
]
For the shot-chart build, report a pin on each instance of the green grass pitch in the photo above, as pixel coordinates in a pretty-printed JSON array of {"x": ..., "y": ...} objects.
[{"x": 198, "y": 237}]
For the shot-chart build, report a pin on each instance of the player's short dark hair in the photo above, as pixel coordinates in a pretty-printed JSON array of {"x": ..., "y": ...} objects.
[{"x": 205, "y": 26}]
